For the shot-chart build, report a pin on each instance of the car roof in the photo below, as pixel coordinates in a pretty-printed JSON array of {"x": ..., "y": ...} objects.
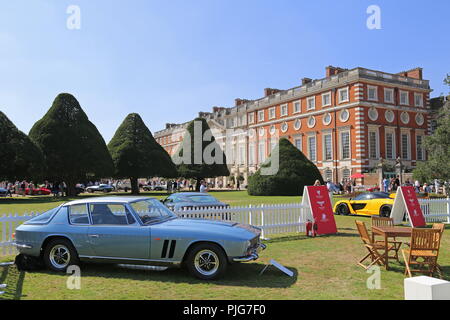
[
  {"x": 107, "y": 200},
  {"x": 192, "y": 194}
]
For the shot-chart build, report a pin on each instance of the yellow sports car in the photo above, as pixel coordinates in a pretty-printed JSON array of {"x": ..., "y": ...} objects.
[{"x": 366, "y": 204}]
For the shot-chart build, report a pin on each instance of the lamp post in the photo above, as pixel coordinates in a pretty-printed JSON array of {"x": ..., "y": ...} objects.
[{"x": 399, "y": 169}]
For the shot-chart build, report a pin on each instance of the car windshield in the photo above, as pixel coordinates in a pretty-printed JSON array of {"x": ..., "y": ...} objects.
[
  {"x": 370, "y": 196},
  {"x": 151, "y": 210},
  {"x": 202, "y": 198}
]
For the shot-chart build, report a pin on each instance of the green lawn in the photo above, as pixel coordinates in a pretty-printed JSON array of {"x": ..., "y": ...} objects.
[{"x": 324, "y": 267}]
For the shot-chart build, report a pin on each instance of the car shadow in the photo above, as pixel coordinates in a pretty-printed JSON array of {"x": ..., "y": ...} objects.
[
  {"x": 13, "y": 279},
  {"x": 241, "y": 275}
]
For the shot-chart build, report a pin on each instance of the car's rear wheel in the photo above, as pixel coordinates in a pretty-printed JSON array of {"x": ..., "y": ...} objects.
[
  {"x": 385, "y": 211},
  {"x": 206, "y": 261},
  {"x": 343, "y": 209},
  {"x": 60, "y": 254}
]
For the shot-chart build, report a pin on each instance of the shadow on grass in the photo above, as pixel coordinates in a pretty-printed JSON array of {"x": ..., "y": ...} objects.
[
  {"x": 240, "y": 275},
  {"x": 13, "y": 278}
]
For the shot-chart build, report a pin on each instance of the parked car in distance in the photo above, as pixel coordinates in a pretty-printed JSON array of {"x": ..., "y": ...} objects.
[
  {"x": 3, "y": 192},
  {"x": 186, "y": 200},
  {"x": 122, "y": 185},
  {"x": 100, "y": 188},
  {"x": 134, "y": 230},
  {"x": 366, "y": 204},
  {"x": 38, "y": 191}
]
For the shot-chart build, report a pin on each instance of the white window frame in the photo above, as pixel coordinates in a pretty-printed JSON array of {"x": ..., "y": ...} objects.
[
  {"x": 262, "y": 151},
  {"x": 375, "y": 98},
  {"x": 298, "y": 138},
  {"x": 324, "y": 148},
  {"x": 406, "y": 103},
  {"x": 260, "y": 115},
  {"x": 329, "y": 99},
  {"x": 299, "y": 102},
  {"x": 342, "y": 145},
  {"x": 394, "y": 147},
  {"x": 422, "y": 149},
  {"x": 416, "y": 94},
  {"x": 251, "y": 117},
  {"x": 251, "y": 153},
  {"x": 284, "y": 110},
  {"x": 309, "y": 148},
  {"x": 339, "y": 95},
  {"x": 272, "y": 113},
  {"x": 313, "y": 99},
  {"x": 392, "y": 95},
  {"x": 377, "y": 143},
  {"x": 408, "y": 145}
]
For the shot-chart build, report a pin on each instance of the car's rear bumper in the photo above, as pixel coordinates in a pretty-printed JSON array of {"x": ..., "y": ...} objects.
[{"x": 251, "y": 257}]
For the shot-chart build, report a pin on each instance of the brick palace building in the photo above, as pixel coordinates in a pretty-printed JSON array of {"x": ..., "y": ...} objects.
[{"x": 345, "y": 123}]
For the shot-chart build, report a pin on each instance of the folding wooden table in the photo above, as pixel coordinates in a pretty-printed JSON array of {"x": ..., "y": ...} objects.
[{"x": 390, "y": 232}]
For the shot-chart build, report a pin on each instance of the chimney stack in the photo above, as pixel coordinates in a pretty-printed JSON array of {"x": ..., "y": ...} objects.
[
  {"x": 331, "y": 71},
  {"x": 270, "y": 91},
  {"x": 306, "y": 80},
  {"x": 413, "y": 73}
]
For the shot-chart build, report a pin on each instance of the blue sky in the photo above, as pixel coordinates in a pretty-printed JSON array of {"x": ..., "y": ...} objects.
[{"x": 168, "y": 60}]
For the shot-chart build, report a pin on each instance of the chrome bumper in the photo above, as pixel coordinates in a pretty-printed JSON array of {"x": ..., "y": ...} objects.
[
  {"x": 22, "y": 246},
  {"x": 253, "y": 256}
]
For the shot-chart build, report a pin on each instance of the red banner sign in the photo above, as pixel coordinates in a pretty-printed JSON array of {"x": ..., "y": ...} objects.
[
  {"x": 321, "y": 208},
  {"x": 413, "y": 207}
]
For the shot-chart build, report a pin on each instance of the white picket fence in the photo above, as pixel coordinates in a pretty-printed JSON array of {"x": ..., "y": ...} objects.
[
  {"x": 272, "y": 219},
  {"x": 8, "y": 224},
  {"x": 436, "y": 210}
]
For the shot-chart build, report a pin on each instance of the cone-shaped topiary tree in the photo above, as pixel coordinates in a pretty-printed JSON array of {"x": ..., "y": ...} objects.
[
  {"x": 136, "y": 153},
  {"x": 20, "y": 157},
  {"x": 200, "y": 156},
  {"x": 285, "y": 173},
  {"x": 72, "y": 145}
]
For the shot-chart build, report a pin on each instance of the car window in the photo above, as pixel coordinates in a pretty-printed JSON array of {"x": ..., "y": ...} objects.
[
  {"x": 150, "y": 210},
  {"x": 44, "y": 217},
  {"x": 362, "y": 197},
  {"x": 108, "y": 214},
  {"x": 78, "y": 214}
]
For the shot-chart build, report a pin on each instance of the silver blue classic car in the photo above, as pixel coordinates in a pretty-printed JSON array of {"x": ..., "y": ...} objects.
[
  {"x": 188, "y": 200},
  {"x": 135, "y": 230}
]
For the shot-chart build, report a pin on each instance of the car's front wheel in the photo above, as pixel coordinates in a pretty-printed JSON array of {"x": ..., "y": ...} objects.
[
  {"x": 343, "y": 209},
  {"x": 385, "y": 211},
  {"x": 206, "y": 261},
  {"x": 60, "y": 254}
]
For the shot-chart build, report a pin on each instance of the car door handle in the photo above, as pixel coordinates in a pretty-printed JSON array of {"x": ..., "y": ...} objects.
[{"x": 94, "y": 236}]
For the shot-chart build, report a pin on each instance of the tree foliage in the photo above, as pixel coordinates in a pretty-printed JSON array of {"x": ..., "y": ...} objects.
[
  {"x": 438, "y": 147},
  {"x": 136, "y": 153},
  {"x": 199, "y": 155},
  {"x": 294, "y": 172},
  {"x": 72, "y": 145},
  {"x": 20, "y": 157}
]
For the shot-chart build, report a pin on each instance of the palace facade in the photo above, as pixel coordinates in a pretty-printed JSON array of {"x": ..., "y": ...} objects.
[{"x": 345, "y": 123}]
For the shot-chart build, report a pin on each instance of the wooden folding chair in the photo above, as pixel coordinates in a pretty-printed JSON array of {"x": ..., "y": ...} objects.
[
  {"x": 387, "y": 222},
  {"x": 373, "y": 248},
  {"x": 423, "y": 252}
]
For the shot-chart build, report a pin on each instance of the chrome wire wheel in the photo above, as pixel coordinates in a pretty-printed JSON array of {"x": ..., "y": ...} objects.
[
  {"x": 59, "y": 256},
  {"x": 206, "y": 262}
]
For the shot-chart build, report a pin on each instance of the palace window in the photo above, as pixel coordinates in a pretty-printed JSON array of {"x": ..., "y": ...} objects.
[
  {"x": 327, "y": 146},
  {"x": 312, "y": 148},
  {"x": 373, "y": 154},
  {"x": 345, "y": 145},
  {"x": 284, "y": 110},
  {"x": 420, "y": 149},
  {"x": 297, "y": 107},
  {"x": 389, "y": 95},
  {"x": 405, "y": 146},
  {"x": 390, "y": 146},
  {"x": 418, "y": 99},
  {"x": 326, "y": 99},
  {"x": 372, "y": 93},
  {"x": 404, "y": 98},
  {"x": 311, "y": 103},
  {"x": 343, "y": 95}
]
